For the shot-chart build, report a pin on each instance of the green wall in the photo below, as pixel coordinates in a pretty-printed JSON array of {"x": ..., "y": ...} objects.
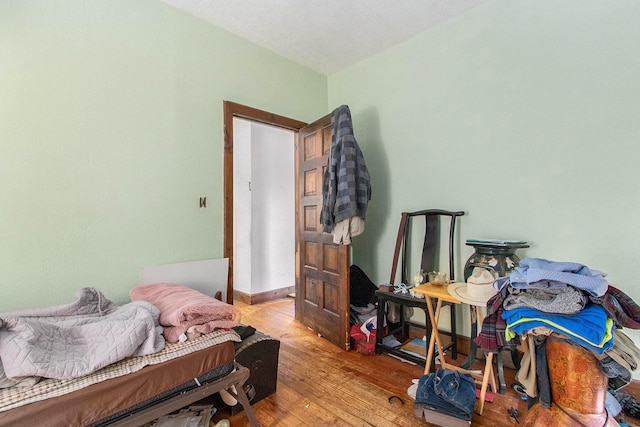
[
  {"x": 111, "y": 130},
  {"x": 523, "y": 114}
]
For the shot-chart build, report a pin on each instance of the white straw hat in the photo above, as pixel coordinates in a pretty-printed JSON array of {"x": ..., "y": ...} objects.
[{"x": 478, "y": 289}]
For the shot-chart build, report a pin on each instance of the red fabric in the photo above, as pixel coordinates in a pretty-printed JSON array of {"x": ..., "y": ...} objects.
[{"x": 360, "y": 341}]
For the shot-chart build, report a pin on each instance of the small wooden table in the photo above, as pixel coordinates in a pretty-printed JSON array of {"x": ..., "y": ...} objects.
[{"x": 441, "y": 293}]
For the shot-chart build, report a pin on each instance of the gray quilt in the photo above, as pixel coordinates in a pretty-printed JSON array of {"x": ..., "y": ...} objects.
[{"x": 76, "y": 339}]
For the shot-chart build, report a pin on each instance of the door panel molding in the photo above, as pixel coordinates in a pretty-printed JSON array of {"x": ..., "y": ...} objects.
[{"x": 322, "y": 297}]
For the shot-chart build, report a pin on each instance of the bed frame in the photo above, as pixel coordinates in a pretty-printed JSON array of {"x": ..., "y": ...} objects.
[{"x": 236, "y": 378}]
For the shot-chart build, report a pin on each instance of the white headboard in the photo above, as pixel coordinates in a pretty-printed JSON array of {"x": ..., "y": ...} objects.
[{"x": 208, "y": 276}]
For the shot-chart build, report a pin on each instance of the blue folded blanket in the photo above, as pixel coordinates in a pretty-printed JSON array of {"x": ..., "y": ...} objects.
[{"x": 590, "y": 328}]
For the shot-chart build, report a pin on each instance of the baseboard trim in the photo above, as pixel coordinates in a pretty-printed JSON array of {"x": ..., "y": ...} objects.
[{"x": 261, "y": 297}]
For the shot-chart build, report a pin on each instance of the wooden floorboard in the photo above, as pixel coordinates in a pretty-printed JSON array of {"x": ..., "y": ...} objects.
[{"x": 322, "y": 385}]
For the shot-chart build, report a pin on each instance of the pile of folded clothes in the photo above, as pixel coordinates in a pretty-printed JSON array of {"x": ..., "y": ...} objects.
[
  {"x": 445, "y": 398},
  {"x": 540, "y": 298}
]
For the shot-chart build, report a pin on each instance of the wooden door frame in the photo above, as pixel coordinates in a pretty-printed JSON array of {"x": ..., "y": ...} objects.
[{"x": 231, "y": 110}]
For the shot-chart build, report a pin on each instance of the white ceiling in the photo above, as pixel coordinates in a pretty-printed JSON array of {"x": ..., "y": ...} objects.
[{"x": 325, "y": 35}]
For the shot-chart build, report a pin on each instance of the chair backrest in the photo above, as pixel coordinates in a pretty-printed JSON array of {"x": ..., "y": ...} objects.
[{"x": 430, "y": 244}]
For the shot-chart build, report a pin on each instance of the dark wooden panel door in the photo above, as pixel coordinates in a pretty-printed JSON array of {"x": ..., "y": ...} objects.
[{"x": 322, "y": 271}]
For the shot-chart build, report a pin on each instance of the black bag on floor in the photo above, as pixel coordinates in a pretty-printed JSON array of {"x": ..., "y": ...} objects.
[{"x": 362, "y": 289}]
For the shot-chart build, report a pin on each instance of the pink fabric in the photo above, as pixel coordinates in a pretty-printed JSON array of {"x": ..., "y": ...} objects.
[{"x": 186, "y": 311}]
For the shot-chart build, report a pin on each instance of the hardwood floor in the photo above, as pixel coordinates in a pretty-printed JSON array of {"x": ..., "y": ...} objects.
[{"x": 322, "y": 385}]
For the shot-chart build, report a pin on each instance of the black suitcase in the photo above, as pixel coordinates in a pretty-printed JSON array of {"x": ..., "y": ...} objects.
[{"x": 258, "y": 353}]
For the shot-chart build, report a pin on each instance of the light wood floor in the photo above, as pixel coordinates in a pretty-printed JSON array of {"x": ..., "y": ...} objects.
[{"x": 321, "y": 385}]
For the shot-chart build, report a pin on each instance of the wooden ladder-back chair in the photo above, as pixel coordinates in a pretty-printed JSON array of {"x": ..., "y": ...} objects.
[{"x": 429, "y": 258}]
